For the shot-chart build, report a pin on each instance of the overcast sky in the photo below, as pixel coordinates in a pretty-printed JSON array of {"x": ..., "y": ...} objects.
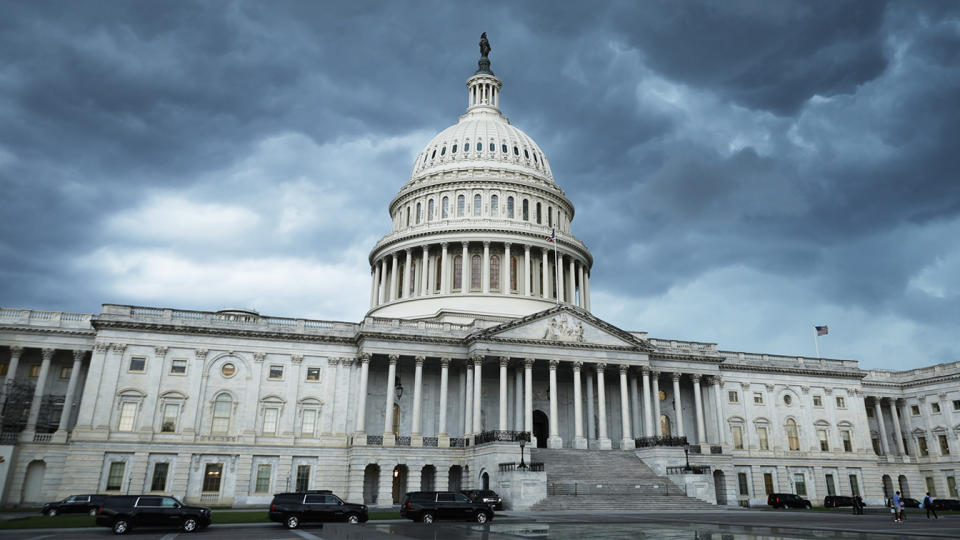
[{"x": 741, "y": 171}]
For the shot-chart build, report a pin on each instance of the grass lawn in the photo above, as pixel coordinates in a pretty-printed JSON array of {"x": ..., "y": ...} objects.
[{"x": 57, "y": 522}]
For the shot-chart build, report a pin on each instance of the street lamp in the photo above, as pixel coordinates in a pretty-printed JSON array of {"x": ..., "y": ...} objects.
[{"x": 522, "y": 466}]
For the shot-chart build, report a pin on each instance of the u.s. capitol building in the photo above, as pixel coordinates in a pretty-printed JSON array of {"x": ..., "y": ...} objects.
[{"x": 479, "y": 330}]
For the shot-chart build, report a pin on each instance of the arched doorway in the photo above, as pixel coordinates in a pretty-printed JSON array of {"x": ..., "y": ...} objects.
[
  {"x": 720, "y": 486},
  {"x": 428, "y": 478},
  {"x": 371, "y": 483},
  {"x": 541, "y": 429},
  {"x": 33, "y": 483},
  {"x": 904, "y": 486},
  {"x": 485, "y": 480},
  {"x": 887, "y": 486},
  {"x": 664, "y": 425},
  {"x": 455, "y": 478},
  {"x": 399, "y": 483}
]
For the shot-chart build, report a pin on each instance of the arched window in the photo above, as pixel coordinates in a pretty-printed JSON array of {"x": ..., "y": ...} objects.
[
  {"x": 494, "y": 209},
  {"x": 549, "y": 216},
  {"x": 525, "y": 212},
  {"x": 461, "y": 205},
  {"x": 513, "y": 273},
  {"x": 477, "y": 204},
  {"x": 493, "y": 147},
  {"x": 475, "y": 272},
  {"x": 408, "y": 216},
  {"x": 538, "y": 214},
  {"x": 495, "y": 273},
  {"x": 400, "y": 281},
  {"x": 510, "y": 207},
  {"x": 418, "y": 213},
  {"x": 430, "y": 210},
  {"x": 793, "y": 437},
  {"x": 413, "y": 277},
  {"x": 222, "y": 411},
  {"x": 438, "y": 275},
  {"x": 444, "y": 208},
  {"x": 664, "y": 419},
  {"x": 396, "y": 419},
  {"x": 454, "y": 151},
  {"x": 457, "y": 273},
  {"x": 479, "y": 147}
]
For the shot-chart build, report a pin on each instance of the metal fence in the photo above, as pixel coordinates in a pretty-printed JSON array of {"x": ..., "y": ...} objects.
[
  {"x": 692, "y": 469},
  {"x": 647, "y": 442},
  {"x": 535, "y": 466},
  {"x": 501, "y": 436}
]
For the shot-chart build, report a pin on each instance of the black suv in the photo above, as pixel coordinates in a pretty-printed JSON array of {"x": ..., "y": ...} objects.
[
  {"x": 834, "y": 501},
  {"x": 485, "y": 496},
  {"x": 124, "y": 512},
  {"x": 946, "y": 504},
  {"x": 292, "y": 509},
  {"x": 74, "y": 504},
  {"x": 428, "y": 506},
  {"x": 787, "y": 500}
]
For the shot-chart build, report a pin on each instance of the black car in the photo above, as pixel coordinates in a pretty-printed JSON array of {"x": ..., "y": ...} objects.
[
  {"x": 787, "y": 500},
  {"x": 946, "y": 504},
  {"x": 835, "y": 501},
  {"x": 74, "y": 504},
  {"x": 315, "y": 506},
  {"x": 907, "y": 502},
  {"x": 485, "y": 496},
  {"x": 125, "y": 512},
  {"x": 429, "y": 506}
]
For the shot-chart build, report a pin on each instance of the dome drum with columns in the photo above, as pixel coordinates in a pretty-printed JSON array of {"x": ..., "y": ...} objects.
[{"x": 471, "y": 226}]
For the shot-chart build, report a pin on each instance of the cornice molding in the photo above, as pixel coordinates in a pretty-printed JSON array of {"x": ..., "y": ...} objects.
[
  {"x": 794, "y": 371},
  {"x": 50, "y": 330}
]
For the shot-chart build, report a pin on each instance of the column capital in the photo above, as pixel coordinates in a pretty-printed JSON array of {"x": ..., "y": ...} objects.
[
  {"x": 408, "y": 251},
  {"x": 258, "y": 357},
  {"x": 365, "y": 357},
  {"x": 118, "y": 347},
  {"x": 553, "y": 364},
  {"x": 348, "y": 360},
  {"x": 717, "y": 380},
  {"x": 296, "y": 358},
  {"x": 445, "y": 361},
  {"x": 504, "y": 361},
  {"x": 465, "y": 244},
  {"x": 654, "y": 373},
  {"x": 577, "y": 365},
  {"x": 78, "y": 355},
  {"x": 17, "y": 350},
  {"x": 528, "y": 362},
  {"x": 695, "y": 377},
  {"x": 477, "y": 359},
  {"x": 393, "y": 358},
  {"x": 160, "y": 351},
  {"x": 99, "y": 346},
  {"x": 334, "y": 360},
  {"x": 506, "y": 245},
  {"x": 624, "y": 368},
  {"x": 526, "y": 248},
  {"x": 486, "y": 243},
  {"x": 600, "y": 368},
  {"x": 419, "y": 360},
  {"x": 676, "y": 376},
  {"x": 443, "y": 245}
]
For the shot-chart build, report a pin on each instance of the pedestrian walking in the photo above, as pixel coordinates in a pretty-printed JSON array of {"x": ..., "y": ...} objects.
[
  {"x": 897, "y": 508},
  {"x": 928, "y": 504},
  {"x": 858, "y": 505}
]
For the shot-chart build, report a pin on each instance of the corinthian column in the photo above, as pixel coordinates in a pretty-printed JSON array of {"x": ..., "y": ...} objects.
[
  {"x": 464, "y": 274},
  {"x": 721, "y": 429},
  {"x": 15, "y": 352},
  {"x": 896, "y": 426},
  {"x": 559, "y": 263},
  {"x": 504, "y": 363},
  {"x": 603, "y": 441},
  {"x": 878, "y": 414},
  {"x": 528, "y": 399},
  {"x": 373, "y": 286},
  {"x": 647, "y": 405},
  {"x": 627, "y": 441},
  {"x": 444, "y": 389},
  {"x": 554, "y": 441},
  {"x": 444, "y": 280},
  {"x": 477, "y": 392},
  {"x": 360, "y": 437},
  {"x": 389, "y": 437},
  {"x": 698, "y": 405},
  {"x": 505, "y": 267},
  {"x": 71, "y": 392},
  {"x": 468, "y": 401},
  {"x": 405, "y": 293},
  {"x": 425, "y": 272},
  {"x": 677, "y": 404},
  {"x": 415, "y": 433},
  {"x": 526, "y": 271},
  {"x": 485, "y": 274},
  {"x": 655, "y": 382},
  {"x": 578, "y": 439},
  {"x": 573, "y": 281},
  {"x": 393, "y": 278},
  {"x": 545, "y": 273},
  {"x": 583, "y": 292},
  {"x": 38, "y": 390}
]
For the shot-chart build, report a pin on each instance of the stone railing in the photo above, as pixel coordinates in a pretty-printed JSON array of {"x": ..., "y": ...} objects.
[
  {"x": 501, "y": 436},
  {"x": 42, "y": 437},
  {"x": 374, "y": 440},
  {"x": 209, "y": 318},
  {"x": 45, "y": 318},
  {"x": 9, "y": 437},
  {"x": 459, "y": 442},
  {"x": 403, "y": 441},
  {"x": 534, "y": 466},
  {"x": 691, "y": 469},
  {"x": 647, "y": 442},
  {"x": 684, "y": 346},
  {"x": 430, "y": 441}
]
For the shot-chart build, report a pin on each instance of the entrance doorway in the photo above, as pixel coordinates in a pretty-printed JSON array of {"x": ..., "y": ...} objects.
[
  {"x": 371, "y": 483},
  {"x": 540, "y": 428},
  {"x": 33, "y": 483},
  {"x": 399, "y": 483},
  {"x": 720, "y": 486},
  {"x": 485, "y": 480}
]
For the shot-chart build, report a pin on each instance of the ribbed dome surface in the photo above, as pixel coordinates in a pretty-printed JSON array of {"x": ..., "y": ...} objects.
[{"x": 482, "y": 138}]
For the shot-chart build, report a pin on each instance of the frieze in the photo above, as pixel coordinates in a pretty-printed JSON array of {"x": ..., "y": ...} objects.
[
  {"x": 794, "y": 371},
  {"x": 561, "y": 329},
  {"x": 224, "y": 332}
]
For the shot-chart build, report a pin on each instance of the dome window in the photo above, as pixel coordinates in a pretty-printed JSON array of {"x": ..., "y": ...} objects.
[
  {"x": 503, "y": 147},
  {"x": 526, "y": 154},
  {"x": 444, "y": 208},
  {"x": 535, "y": 158},
  {"x": 526, "y": 210},
  {"x": 479, "y": 147},
  {"x": 477, "y": 205},
  {"x": 539, "y": 222},
  {"x": 454, "y": 149},
  {"x": 516, "y": 151},
  {"x": 430, "y": 210},
  {"x": 443, "y": 150},
  {"x": 510, "y": 207},
  {"x": 425, "y": 157},
  {"x": 461, "y": 205},
  {"x": 494, "y": 206},
  {"x": 434, "y": 154},
  {"x": 493, "y": 147}
]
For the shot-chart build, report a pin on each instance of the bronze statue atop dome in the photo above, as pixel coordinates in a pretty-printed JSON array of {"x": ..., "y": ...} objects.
[
  {"x": 483, "y": 65},
  {"x": 484, "y": 45}
]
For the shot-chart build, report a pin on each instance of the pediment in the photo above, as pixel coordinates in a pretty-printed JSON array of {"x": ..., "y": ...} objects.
[{"x": 564, "y": 325}]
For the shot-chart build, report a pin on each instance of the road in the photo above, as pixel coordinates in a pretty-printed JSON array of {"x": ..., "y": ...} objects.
[{"x": 720, "y": 524}]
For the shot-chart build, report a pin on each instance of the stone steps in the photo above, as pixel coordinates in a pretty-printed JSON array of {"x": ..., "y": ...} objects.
[{"x": 610, "y": 481}]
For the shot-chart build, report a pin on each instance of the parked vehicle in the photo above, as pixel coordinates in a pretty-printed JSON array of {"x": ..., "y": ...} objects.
[
  {"x": 485, "y": 496},
  {"x": 314, "y": 506},
  {"x": 123, "y": 513},
  {"x": 946, "y": 504},
  {"x": 835, "y": 501},
  {"x": 907, "y": 502},
  {"x": 429, "y": 506},
  {"x": 74, "y": 504},
  {"x": 787, "y": 500}
]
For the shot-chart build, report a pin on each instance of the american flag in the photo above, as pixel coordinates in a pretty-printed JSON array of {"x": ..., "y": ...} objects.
[
  {"x": 822, "y": 330},
  {"x": 553, "y": 236}
]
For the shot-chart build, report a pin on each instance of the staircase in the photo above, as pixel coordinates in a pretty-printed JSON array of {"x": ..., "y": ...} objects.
[{"x": 607, "y": 481}]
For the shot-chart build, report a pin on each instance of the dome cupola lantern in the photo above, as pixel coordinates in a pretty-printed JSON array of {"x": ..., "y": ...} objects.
[{"x": 473, "y": 226}]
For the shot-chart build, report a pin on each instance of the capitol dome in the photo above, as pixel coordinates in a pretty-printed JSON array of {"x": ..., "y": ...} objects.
[{"x": 473, "y": 227}]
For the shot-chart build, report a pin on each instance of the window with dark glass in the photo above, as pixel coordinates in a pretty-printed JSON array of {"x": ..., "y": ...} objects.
[
  {"x": 477, "y": 205},
  {"x": 526, "y": 154},
  {"x": 516, "y": 151},
  {"x": 178, "y": 366},
  {"x": 211, "y": 477},
  {"x": 475, "y": 272},
  {"x": 493, "y": 147},
  {"x": 263, "y": 479},
  {"x": 461, "y": 205},
  {"x": 313, "y": 374},
  {"x": 303, "y": 478},
  {"x": 443, "y": 150},
  {"x": 418, "y": 213},
  {"x": 444, "y": 208},
  {"x": 159, "y": 480},
  {"x": 525, "y": 211},
  {"x": 538, "y": 213},
  {"x": 513, "y": 273},
  {"x": 549, "y": 216},
  {"x": 138, "y": 363},
  {"x": 480, "y": 147},
  {"x": 454, "y": 149},
  {"x": 503, "y": 147},
  {"x": 457, "y": 273},
  {"x": 430, "y": 210},
  {"x": 434, "y": 154},
  {"x": 510, "y": 207},
  {"x": 495, "y": 272},
  {"x": 115, "y": 476},
  {"x": 742, "y": 482},
  {"x": 494, "y": 206}
]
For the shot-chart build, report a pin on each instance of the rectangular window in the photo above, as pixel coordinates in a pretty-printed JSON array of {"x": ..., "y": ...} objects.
[
  {"x": 824, "y": 443},
  {"x": 276, "y": 372},
  {"x": 169, "y": 422},
  {"x": 742, "y": 481},
  {"x": 922, "y": 444},
  {"x": 831, "y": 487},
  {"x": 738, "y": 437},
  {"x": 263, "y": 479},
  {"x": 309, "y": 423},
  {"x": 854, "y": 485},
  {"x": 270, "y": 421},
  {"x": 931, "y": 487},
  {"x": 3, "y": 369},
  {"x": 128, "y": 413},
  {"x": 303, "y": 478},
  {"x": 313, "y": 374},
  {"x": 952, "y": 486},
  {"x": 818, "y": 401},
  {"x": 178, "y": 366},
  {"x": 768, "y": 483},
  {"x": 733, "y": 396},
  {"x": 762, "y": 435},
  {"x": 758, "y": 398},
  {"x": 159, "y": 481},
  {"x": 211, "y": 477},
  {"x": 115, "y": 476},
  {"x": 915, "y": 410},
  {"x": 34, "y": 371},
  {"x": 944, "y": 445},
  {"x": 935, "y": 408},
  {"x": 138, "y": 364},
  {"x": 956, "y": 402},
  {"x": 65, "y": 372},
  {"x": 847, "y": 442},
  {"x": 841, "y": 402},
  {"x": 800, "y": 483}
]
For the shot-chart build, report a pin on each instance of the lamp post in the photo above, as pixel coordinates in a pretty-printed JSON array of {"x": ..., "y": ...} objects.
[
  {"x": 522, "y": 466},
  {"x": 686, "y": 456}
]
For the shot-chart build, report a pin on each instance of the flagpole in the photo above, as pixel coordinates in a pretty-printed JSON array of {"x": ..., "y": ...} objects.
[
  {"x": 816, "y": 341},
  {"x": 556, "y": 267}
]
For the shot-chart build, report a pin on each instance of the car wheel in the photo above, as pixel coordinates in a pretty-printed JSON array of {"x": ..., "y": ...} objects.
[
  {"x": 353, "y": 519},
  {"x": 189, "y": 525},
  {"x": 92, "y": 512},
  {"x": 481, "y": 517},
  {"x": 809, "y": 506},
  {"x": 292, "y": 522},
  {"x": 52, "y": 512},
  {"x": 427, "y": 518},
  {"x": 121, "y": 526}
]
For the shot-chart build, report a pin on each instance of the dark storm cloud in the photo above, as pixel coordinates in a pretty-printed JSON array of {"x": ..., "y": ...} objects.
[{"x": 792, "y": 140}]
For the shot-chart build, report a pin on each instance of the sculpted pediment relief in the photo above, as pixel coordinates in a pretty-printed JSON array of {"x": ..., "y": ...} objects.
[{"x": 563, "y": 328}]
